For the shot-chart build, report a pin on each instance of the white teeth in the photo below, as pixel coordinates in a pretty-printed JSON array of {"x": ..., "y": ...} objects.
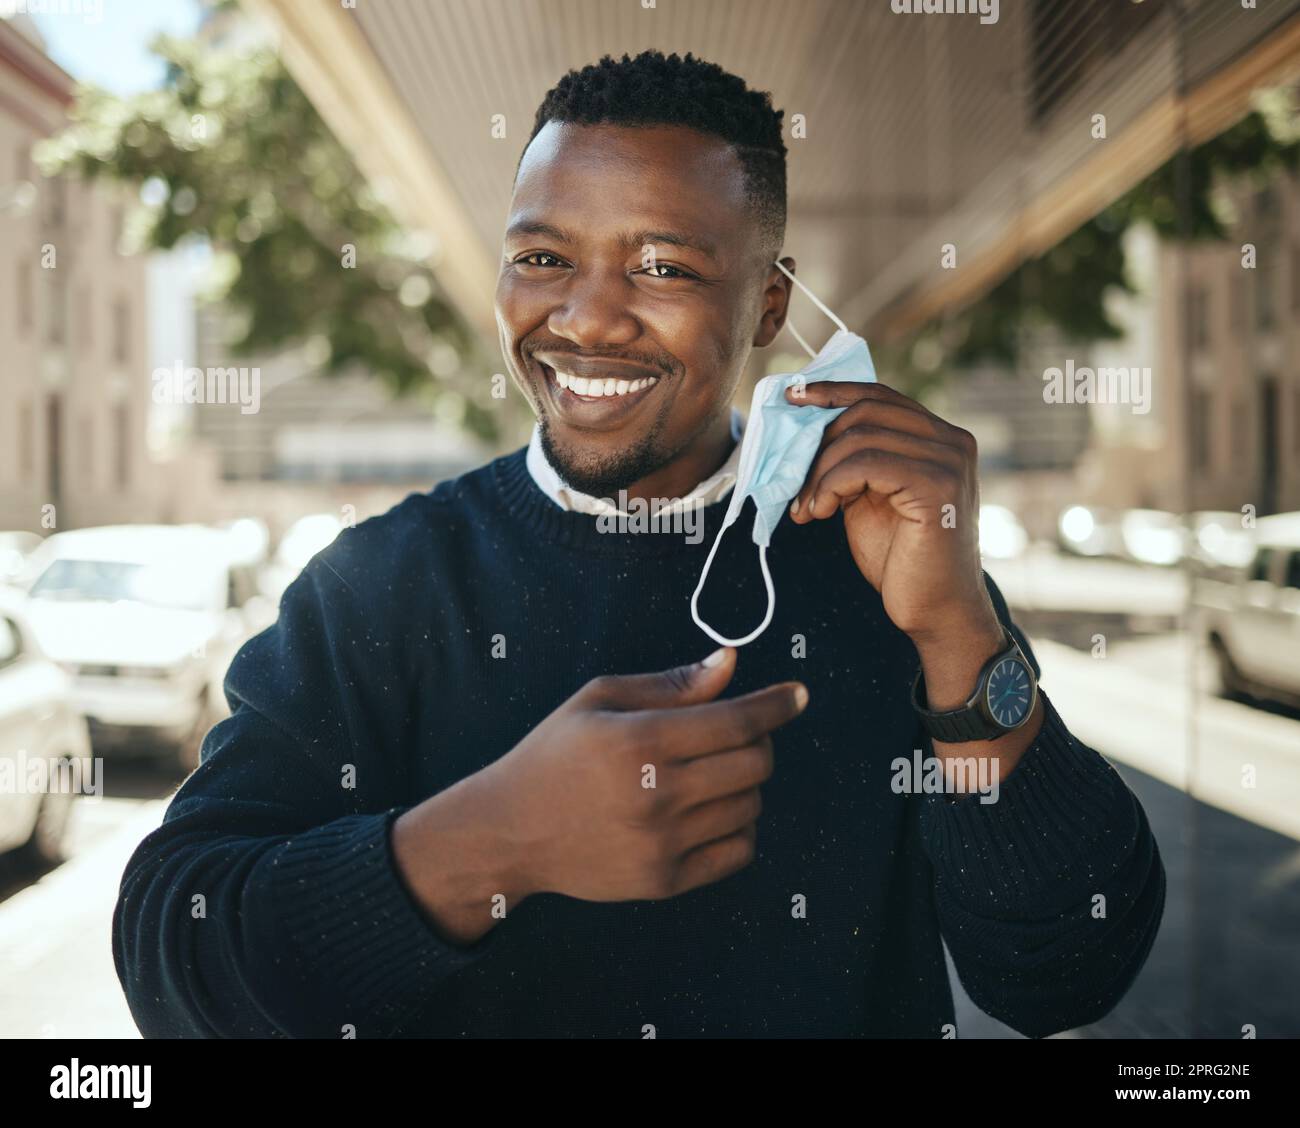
[{"x": 609, "y": 386}]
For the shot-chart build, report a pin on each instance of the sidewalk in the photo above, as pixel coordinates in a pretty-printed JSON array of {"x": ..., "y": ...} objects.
[{"x": 59, "y": 980}]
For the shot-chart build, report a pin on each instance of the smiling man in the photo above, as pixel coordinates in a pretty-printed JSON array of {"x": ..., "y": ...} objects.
[{"x": 480, "y": 780}]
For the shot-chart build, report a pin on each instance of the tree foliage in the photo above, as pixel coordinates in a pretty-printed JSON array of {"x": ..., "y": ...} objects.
[
  {"x": 230, "y": 150},
  {"x": 1064, "y": 291}
]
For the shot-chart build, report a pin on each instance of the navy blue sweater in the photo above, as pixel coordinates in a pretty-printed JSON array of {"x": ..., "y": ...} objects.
[{"x": 424, "y": 644}]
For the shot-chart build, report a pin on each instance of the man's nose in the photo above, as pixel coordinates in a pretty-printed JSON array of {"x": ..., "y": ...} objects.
[{"x": 595, "y": 312}]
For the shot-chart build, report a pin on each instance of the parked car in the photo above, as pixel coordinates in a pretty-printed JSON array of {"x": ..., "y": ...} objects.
[
  {"x": 38, "y": 721},
  {"x": 301, "y": 541},
  {"x": 1252, "y": 620},
  {"x": 145, "y": 619},
  {"x": 1221, "y": 540},
  {"x": 1152, "y": 536},
  {"x": 1002, "y": 536},
  {"x": 15, "y": 548},
  {"x": 1090, "y": 531}
]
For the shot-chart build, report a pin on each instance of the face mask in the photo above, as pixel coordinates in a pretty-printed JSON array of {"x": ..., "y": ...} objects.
[{"x": 780, "y": 441}]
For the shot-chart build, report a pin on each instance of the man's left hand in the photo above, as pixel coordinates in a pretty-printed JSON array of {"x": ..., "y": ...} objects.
[{"x": 907, "y": 484}]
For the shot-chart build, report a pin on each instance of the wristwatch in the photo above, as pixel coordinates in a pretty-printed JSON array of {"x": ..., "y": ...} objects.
[{"x": 1004, "y": 697}]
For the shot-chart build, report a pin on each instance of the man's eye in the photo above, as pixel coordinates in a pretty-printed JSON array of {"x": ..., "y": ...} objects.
[
  {"x": 525, "y": 259},
  {"x": 677, "y": 272}
]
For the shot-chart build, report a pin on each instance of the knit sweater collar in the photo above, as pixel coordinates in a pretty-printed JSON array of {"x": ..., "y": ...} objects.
[{"x": 527, "y": 504}]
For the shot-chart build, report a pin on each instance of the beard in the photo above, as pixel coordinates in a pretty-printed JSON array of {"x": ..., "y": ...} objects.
[{"x": 603, "y": 476}]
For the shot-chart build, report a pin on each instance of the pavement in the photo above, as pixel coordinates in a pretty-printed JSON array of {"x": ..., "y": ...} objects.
[
  {"x": 1226, "y": 956},
  {"x": 59, "y": 979}
]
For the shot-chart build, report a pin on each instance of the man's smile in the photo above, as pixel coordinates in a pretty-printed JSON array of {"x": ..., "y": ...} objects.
[{"x": 599, "y": 393}]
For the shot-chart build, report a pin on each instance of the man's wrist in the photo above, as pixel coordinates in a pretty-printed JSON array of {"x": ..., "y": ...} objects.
[
  {"x": 455, "y": 864},
  {"x": 951, "y": 664},
  {"x": 952, "y": 658}
]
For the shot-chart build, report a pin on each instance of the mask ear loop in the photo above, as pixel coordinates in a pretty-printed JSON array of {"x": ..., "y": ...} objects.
[
  {"x": 816, "y": 301},
  {"x": 762, "y": 548},
  {"x": 722, "y": 640}
]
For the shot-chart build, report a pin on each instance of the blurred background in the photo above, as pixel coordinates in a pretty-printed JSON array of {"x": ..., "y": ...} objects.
[{"x": 247, "y": 262}]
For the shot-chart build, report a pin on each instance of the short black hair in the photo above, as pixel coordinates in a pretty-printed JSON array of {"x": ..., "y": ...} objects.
[{"x": 654, "y": 89}]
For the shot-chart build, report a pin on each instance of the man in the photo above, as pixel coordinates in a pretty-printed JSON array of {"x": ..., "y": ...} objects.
[{"x": 451, "y": 800}]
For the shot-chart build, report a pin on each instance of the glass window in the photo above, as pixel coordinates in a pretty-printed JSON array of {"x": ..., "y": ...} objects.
[
  {"x": 84, "y": 309},
  {"x": 122, "y": 443},
  {"x": 1202, "y": 405},
  {"x": 1238, "y": 295},
  {"x": 86, "y": 441},
  {"x": 25, "y": 297},
  {"x": 178, "y": 584},
  {"x": 1240, "y": 433},
  {"x": 1292, "y": 579},
  {"x": 1198, "y": 315},
  {"x": 58, "y": 323},
  {"x": 26, "y": 450},
  {"x": 1295, "y": 279},
  {"x": 121, "y": 330},
  {"x": 56, "y": 201},
  {"x": 1266, "y": 278}
]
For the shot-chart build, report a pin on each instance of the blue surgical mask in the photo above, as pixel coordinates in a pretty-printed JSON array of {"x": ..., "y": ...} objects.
[{"x": 780, "y": 442}]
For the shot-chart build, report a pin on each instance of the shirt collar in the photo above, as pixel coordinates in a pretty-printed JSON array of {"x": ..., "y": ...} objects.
[{"x": 712, "y": 489}]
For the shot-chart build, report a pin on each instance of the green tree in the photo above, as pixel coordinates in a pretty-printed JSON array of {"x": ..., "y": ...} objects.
[
  {"x": 1065, "y": 289},
  {"x": 231, "y": 151}
]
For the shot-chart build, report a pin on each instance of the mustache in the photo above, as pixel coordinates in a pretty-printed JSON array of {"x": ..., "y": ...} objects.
[{"x": 662, "y": 361}]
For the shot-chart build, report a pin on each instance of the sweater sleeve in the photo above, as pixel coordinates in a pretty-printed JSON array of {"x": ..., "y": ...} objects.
[
  {"x": 1049, "y": 898},
  {"x": 268, "y": 902}
]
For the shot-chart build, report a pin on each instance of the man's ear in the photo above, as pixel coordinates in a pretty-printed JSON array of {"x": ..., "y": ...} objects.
[{"x": 776, "y": 303}]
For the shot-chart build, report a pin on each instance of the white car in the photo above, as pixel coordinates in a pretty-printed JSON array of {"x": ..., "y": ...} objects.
[
  {"x": 1089, "y": 531},
  {"x": 303, "y": 539},
  {"x": 1152, "y": 536},
  {"x": 15, "y": 547},
  {"x": 1252, "y": 621},
  {"x": 38, "y": 722},
  {"x": 1002, "y": 536},
  {"x": 145, "y": 618}
]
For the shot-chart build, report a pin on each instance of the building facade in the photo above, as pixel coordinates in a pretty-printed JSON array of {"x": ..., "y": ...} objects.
[{"x": 74, "y": 376}]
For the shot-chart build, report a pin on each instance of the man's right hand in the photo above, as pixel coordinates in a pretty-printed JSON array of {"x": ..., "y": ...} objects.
[{"x": 638, "y": 787}]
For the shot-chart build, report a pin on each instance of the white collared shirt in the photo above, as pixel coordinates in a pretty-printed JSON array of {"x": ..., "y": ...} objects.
[{"x": 566, "y": 497}]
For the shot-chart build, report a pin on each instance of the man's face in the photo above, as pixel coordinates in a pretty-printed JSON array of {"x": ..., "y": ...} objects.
[{"x": 663, "y": 342}]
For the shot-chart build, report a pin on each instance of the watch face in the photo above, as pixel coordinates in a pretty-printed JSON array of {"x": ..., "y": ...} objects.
[{"x": 1009, "y": 693}]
